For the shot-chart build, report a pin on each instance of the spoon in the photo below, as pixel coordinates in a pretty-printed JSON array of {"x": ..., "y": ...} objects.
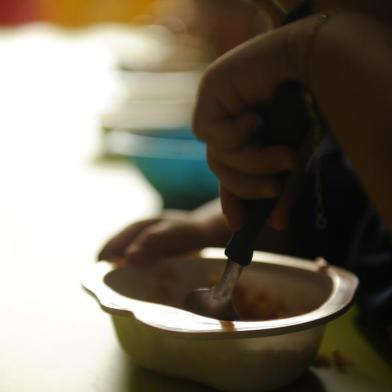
[
  {"x": 216, "y": 302},
  {"x": 285, "y": 121}
]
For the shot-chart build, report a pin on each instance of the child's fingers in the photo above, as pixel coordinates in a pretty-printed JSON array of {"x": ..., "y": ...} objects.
[
  {"x": 225, "y": 132},
  {"x": 232, "y": 209},
  {"x": 254, "y": 160},
  {"x": 116, "y": 246},
  {"x": 279, "y": 218},
  {"x": 164, "y": 239},
  {"x": 245, "y": 186},
  {"x": 147, "y": 247}
]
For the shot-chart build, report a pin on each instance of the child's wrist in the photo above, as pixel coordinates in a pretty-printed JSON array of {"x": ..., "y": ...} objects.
[{"x": 302, "y": 40}]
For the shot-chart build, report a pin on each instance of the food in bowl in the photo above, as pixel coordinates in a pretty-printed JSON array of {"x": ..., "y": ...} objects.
[
  {"x": 147, "y": 309},
  {"x": 253, "y": 304}
]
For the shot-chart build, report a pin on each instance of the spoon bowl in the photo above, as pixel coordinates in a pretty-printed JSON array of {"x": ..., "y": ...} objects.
[
  {"x": 216, "y": 302},
  {"x": 207, "y": 302}
]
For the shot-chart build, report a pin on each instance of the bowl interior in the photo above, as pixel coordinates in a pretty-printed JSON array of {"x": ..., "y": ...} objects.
[{"x": 265, "y": 290}]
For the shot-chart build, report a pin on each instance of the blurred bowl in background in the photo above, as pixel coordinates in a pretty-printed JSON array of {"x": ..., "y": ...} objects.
[
  {"x": 149, "y": 125},
  {"x": 173, "y": 161},
  {"x": 148, "y": 114}
]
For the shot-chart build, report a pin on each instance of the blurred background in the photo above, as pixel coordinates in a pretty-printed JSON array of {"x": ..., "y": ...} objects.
[
  {"x": 151, "y": 54},
  {"x": 96, "y": 99}
]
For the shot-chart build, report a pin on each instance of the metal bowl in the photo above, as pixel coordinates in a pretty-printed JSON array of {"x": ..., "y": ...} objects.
[{"x": 146, "y": 306}]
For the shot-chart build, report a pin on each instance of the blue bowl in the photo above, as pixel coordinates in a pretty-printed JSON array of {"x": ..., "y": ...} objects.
[{"x": 174, "y": 163}]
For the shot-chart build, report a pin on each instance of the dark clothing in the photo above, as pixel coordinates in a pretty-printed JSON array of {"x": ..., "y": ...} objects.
[{"x": 355, "y": 237}]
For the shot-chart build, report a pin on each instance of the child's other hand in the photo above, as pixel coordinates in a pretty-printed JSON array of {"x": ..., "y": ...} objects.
[{"x": 172, "y": 233}]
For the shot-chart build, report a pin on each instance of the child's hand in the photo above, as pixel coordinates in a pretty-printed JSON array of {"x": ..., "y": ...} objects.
[
  {"x": 171, "y": 234},
  {"x": 226, "y": 116}
]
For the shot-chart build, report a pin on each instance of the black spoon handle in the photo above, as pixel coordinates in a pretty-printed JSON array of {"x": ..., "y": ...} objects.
[{"x": 285, "y": 122}]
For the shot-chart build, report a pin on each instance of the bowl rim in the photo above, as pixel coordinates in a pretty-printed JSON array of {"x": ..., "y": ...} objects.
[{"x": 174, "y": 320}]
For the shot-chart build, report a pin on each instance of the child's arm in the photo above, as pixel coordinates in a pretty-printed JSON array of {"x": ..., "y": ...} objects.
[{"x": 350, "y": 75}]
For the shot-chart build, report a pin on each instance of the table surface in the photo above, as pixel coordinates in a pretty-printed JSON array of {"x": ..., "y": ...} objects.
[{"x": 58, "y": 205}]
